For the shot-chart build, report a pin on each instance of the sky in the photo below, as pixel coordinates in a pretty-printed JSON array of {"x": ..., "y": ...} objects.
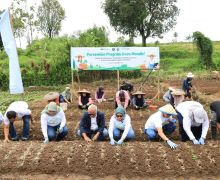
[{"x": 195, "y": 15}]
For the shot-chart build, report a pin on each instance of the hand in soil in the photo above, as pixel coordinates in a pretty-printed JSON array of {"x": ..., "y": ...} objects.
[
  {"x": 201, "y": 141},
  {"x": 95, "y": 138},
  {"x": 196, "y": 142},
  {"x": 112, "y": 142},
  {"x": 46, "y": 141},
  {"x": 171, "y": 144},
  {"x": 120, "y": 142},
  {"x": 87, "y": 139}
]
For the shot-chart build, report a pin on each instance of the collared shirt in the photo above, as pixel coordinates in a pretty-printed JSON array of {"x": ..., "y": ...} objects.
[
  {"x": 186, "y": 110},
  {"x": 94, "y": 125}
]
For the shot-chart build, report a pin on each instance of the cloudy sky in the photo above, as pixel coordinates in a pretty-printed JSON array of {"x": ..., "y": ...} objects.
[{"x": 195, "y": 15}]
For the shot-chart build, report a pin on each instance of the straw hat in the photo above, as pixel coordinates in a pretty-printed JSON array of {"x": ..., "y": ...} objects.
[
  {"x": 138, "y": 93},
  {"x": 51, "y": 96},
  {"x": 178, "y": 92},
  {"x": 168, "y": 109},
  {"x": 190, "y": 75},
  {"x": 52, "y": 106},
  {"x": 67, "y": 88},
  {"x": 83, "y": 91},
  {"x": 172, "y": 88}
]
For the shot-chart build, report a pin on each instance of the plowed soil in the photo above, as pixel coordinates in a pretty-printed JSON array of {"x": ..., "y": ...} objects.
[{"x": 73, "y": 158}]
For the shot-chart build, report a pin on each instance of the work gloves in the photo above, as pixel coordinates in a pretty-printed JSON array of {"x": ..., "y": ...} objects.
[
  {"x": 202, "y": 141},
  {"x": 60, "y": 130},
  {"x": 171, "y": 144},
  {"x": 46, "y": 141},
  {"x": 112, "y": 142},
  {"x": 196, "y": 142},
  {"x": 120, "y": 142}
]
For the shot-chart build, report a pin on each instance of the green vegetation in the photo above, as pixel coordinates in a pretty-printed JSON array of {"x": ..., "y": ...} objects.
[{"x": 47, "y": 62}]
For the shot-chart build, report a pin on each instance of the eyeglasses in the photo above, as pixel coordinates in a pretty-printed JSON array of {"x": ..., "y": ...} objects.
[{"x": 118, "y": 115}]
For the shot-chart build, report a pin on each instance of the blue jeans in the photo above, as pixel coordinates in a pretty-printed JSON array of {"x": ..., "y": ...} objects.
[
  {"x": 51, "y": 131},
  {"x": 167, "y": 129},
  {"x": 117, "y": 134},
  {"x": 90, "y": 134},
  {"x": 26, "y": 127}
]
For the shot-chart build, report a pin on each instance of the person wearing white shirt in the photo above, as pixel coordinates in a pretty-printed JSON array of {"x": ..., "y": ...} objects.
[
  {"x": 52, "y": 120},
  {"x": 92, "y": 125},
  {"x": 161, "y": 123},
  {"x": 17, "y": 110},
  {"x": 120, "y": 127},
  {"x": 193, "y": 122}
]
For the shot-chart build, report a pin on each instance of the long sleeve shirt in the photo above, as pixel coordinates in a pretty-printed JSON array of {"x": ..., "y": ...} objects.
[
  {"x": 20, "y": 107},
  {"x": 127, "y": 98},
  {"x": 123, "y": 125},
  {"x": 186, "y": 109},
  {"x": 47, "y": 120}
]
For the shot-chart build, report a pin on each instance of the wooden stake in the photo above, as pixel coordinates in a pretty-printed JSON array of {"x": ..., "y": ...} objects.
[{"x": 118, "y": 77}]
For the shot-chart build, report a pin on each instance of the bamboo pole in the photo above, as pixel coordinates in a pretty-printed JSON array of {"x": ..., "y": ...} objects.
[{"x": 118, "y": 77}]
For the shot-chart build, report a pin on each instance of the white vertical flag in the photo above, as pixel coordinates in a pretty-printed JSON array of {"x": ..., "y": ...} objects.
[{"x": 15, "y": 82}]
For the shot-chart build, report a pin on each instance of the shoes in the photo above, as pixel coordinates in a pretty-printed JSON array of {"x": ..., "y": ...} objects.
[
  {"x": 24, "y": 138},
  {"x": 15, "y": 138}
]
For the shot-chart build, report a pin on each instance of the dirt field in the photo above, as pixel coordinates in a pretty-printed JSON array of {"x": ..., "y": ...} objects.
[{"x": 138, "y": 159}]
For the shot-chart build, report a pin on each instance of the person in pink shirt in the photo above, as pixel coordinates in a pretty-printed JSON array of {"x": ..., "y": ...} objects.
[{"x": 122, "y": 98}]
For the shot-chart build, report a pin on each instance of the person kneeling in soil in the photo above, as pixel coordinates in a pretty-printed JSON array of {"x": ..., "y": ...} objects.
[
  {"x": 53, "y": 120},
  {"x": 138, "y": 101},
  {"x": 215, "y": 118},
  {"x": 92, "y": 125},
  {"x": 187, "y": 85},
  {"x": 100, "y": 94},
  {"x": 84, "y": 100},
  {"x": 178, "y": 97},
  {"x": 122, "y": 98},
  {"x": 52, "y": 97},
  {"x": 65, "y": 96},
  {"x": 120, "y": 128},
  {"x": 17, "y": 110},
  {"x": 193, "y": 122},
  {"x": 167, "y": 97},
  {"x": 161, "y": 123}
]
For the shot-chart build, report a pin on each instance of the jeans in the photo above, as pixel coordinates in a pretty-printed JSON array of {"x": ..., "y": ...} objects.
[
  {"x": 26, "y": 127},
  {"x": 90, "y": 134},
  {"x": 51, "y": 131},
  {"x": 117, "y": 134},
  {"x": 196, "y": 130},
  {"x": 168, "y": 129}
]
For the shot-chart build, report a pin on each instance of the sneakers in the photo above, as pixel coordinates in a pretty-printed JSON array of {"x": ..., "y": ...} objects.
[
  {"x": 15, "y": 138},
  {"x": 24, "y": 138}
]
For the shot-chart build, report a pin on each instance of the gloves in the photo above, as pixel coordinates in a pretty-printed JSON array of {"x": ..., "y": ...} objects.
[
  {"x": 196, "y": 142},
  {"x": 46, "y": 141},
  {"x": 171, "y": 144},
  {"x": 60, "y": 130},
  {"x": 120, "y": 142},
  {"x": 173, "y": 120},
  {"x": 202, "y": 141},
  {"x": 112, "y": 142}
]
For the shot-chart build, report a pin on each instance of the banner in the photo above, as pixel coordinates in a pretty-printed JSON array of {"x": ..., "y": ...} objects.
[
  {"x": 15, "y": 81},
  {"x": 114, "y": 58}
]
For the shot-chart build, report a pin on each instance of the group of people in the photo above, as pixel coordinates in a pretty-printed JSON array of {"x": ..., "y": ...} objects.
[{"x": 191, "y": 116}]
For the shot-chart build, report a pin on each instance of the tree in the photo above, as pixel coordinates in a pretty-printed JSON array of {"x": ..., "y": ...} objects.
[
  {"x": 148, "y": 18},
  {"x": 1, "y": 43},
  {"x": 205, "y": 48},
  {"x": 96, "y": 36},
  {"x": 50, "y": 15}
]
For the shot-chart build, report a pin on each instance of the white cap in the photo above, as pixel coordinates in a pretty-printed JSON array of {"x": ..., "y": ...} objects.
[
  {"x": 199, "y": 115},
  {"x": 190, "y": 75}
]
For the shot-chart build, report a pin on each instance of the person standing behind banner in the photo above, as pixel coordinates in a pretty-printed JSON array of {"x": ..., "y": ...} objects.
[
  {"x": 122, "y": 99},
  {"x": 17, "y": 110}
]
